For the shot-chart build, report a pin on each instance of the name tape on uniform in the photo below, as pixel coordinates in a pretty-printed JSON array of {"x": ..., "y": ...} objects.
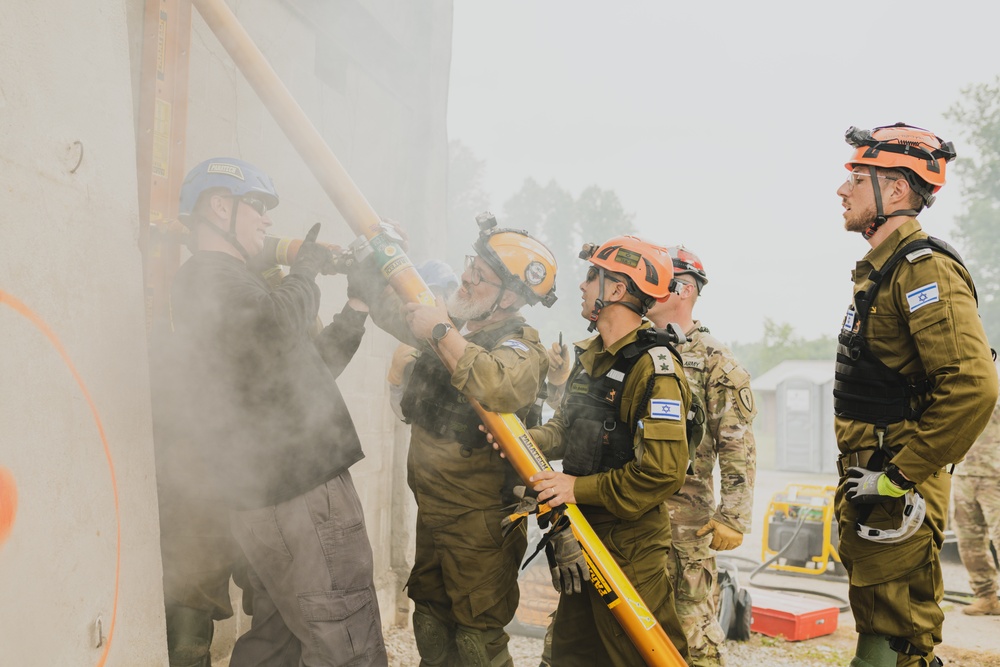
[
  {"x": 516, "y": 344},
  {"x": 923, "y": 296},
  {"x": 664, "y": 408}
]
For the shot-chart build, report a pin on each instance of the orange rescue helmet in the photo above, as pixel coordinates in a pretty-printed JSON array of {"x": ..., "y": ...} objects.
[
  {"x": 916, "y": 150},
  {"x": 523, "y": 263},
  {"x": 647, "y": 266},
  {"x": 685, "y": 261}
]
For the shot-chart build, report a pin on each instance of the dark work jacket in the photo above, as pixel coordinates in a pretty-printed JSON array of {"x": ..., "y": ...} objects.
[{"x": 246, "y": 407}]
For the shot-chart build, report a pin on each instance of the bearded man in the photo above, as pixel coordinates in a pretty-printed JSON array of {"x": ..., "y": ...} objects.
[{"x": 464, "y": 578}]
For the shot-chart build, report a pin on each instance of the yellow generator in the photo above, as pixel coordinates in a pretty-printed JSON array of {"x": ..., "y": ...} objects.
[{"x": 799, "y": 532}]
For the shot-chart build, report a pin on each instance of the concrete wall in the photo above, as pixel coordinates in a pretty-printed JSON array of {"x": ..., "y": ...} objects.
[
  {"x": 74, "y": 420},
  {"x": 74, "y": 401}
]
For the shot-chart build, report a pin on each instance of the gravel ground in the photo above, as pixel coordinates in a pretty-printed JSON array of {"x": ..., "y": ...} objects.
[{"x": 835, "y": 650}]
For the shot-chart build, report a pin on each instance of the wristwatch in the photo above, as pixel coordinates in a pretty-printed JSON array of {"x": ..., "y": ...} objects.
[{"x": 440, "y": 330}]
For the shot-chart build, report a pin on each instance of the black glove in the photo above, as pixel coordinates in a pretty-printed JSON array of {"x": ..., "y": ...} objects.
[
  {"x": 312, "y": 257},
  {"x": 566, "y": 562},
  {"x": 869, "y": 487},
  {"x": 365, "y": 281}
]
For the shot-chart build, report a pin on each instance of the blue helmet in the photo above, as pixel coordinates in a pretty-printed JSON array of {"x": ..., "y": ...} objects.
[
  {"x": 438, "y": 274},
  {"x": 238, "y": 177}
]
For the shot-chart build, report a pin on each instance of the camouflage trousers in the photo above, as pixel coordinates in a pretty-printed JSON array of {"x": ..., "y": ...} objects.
[
  {"x": 693, "y": 574},
  {"x": 977, "y": 522}
]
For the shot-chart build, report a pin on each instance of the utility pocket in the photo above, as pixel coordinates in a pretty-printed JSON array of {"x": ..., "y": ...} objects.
[
  {"x": 583, "y": 448},
  {"x": 694, "y": 558},
  {"x": 348, "y": 554},
  {"x": 343, "y": 626}
]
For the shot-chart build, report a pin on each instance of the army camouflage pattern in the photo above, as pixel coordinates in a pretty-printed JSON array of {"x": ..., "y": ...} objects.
[
  {"x": 721, "y": 384},
  {"x": 895, "y": 590},
  {"x": 976, "y": 490}
]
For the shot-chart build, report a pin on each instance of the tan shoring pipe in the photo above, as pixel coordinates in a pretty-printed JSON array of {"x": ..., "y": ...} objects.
[{"x": 618, "y": 593}]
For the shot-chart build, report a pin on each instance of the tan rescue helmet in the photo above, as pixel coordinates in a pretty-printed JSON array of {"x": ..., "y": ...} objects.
[{"x": 523, "y": 263}]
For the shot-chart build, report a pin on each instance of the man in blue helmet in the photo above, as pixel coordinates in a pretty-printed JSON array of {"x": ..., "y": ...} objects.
[{"x": 252, "y": 429}]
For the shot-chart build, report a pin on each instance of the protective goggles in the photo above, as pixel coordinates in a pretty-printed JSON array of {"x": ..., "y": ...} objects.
[{"x": 914, "y": 511}]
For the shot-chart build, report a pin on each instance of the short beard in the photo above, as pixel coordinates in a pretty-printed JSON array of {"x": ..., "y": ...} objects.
[
  {"x": 462, "y": 307},
  {"x": 860, "y": 220}
]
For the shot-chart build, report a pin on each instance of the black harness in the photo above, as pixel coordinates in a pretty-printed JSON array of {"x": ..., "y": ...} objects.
[
  {"x": 431, "y": 402},
  {"x": 597, "y": 439},
  {"x": 864, "y": 388}
]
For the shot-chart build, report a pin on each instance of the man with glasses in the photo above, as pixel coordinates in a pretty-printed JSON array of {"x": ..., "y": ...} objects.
[
  {"x": 721, "y": 385},
  {"x": 254, "y": 444},
  {"x": 914, "y": 386},
  {"x": 464, "y": 577}
]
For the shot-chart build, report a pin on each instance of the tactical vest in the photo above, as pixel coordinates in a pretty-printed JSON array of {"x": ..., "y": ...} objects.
[
  {"x": 431, "y": 402},
  {"x": 864, "y": 388},
  {"x": 597, "y": 440}
]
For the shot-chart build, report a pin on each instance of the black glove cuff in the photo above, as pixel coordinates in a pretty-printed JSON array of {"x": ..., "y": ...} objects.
[{"x": 896, "y": 477}]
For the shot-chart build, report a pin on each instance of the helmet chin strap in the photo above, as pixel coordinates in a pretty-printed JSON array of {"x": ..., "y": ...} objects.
[
  {"x": 229, "y": 236},
  {"x": 880, "y": 216},
  {"x": 492, "y": 309},
  {"x": 599, "y": 304}
]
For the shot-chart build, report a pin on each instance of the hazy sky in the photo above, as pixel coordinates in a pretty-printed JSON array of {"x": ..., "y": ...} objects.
[{"x": 719, "y": 124}]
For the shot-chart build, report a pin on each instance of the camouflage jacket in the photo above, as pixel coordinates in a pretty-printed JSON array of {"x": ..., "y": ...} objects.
[
  {"x": 983, "y": 459},
  {"x": 722, "y": 386}
]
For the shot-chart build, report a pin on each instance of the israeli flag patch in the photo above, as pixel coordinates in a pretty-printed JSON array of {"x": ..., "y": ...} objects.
[
  {"x": 516, "y": 344},
  {"x": 849, "y": 319},
  {"x": 663, "y": 408},
  {"x": 923, "y": 296}
]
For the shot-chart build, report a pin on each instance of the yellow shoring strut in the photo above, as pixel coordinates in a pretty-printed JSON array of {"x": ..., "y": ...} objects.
[{"x": 616, "y": 590}]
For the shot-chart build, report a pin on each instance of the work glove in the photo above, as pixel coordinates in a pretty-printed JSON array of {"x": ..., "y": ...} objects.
[
  {"x": 869, "y": 487},
  {"x": 724, "y": 538},
  {"x": 365, "y": 282},
  {"x": 525, "y": 505},
  {"x": 312, "y": 257},
  {"x": 566, "y": 561},
  {"x": 559, "y": 364}
]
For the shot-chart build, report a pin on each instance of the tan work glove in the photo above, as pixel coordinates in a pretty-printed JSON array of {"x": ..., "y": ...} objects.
[
  {"x": 724, "y": 538},
  {"x": 559, "y": 364}
]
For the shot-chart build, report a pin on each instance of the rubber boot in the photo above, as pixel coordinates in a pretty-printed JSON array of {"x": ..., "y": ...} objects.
[
  {"x": 873, "y": 651},
  {"x": 189, "y": 637}
]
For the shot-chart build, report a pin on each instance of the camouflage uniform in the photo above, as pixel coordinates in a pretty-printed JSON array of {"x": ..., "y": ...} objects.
[
  {"x": 977, "y": 508},
  {"x": 722, "y": 386}
]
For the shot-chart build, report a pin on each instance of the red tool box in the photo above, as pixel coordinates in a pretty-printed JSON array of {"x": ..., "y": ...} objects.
[{"x": 791, "y": 616}]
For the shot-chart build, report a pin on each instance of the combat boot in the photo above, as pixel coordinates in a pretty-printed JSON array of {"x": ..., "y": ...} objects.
[{"x": 988, "y": 606}]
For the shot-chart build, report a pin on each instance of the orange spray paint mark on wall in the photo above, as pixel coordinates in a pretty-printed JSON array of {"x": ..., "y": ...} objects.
[
  {"x": 8, "y": 503},
  {"x": 21, "y": 309}
]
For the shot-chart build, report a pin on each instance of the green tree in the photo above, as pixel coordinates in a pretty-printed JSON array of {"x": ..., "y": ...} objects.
[
  {"x": 466, "y": 199},
  {"x": 978, "y": 225},
  {"x": 779, "y": 343},
  {"x": 564, "y": 223}
]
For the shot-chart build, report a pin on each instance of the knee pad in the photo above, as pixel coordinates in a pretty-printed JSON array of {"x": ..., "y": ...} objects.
[
  {"x": 189, "y": 636},
  {"x": 433, "y": 638},
  {"x": 472, "y": 647},
  {"x": 873, "y": 651}
]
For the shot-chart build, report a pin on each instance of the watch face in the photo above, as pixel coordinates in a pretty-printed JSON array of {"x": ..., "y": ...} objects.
[{"x": 440, "y": 330}]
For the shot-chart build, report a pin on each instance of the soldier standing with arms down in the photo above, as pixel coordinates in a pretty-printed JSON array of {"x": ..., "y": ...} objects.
[
  {"x": 977, "y": 517},
  {"x": 914, "y": 387},
  {"x": 620, "y": 431},
  {"x": 464, "y": 577},
  {"x": 721, "y": 386}
]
